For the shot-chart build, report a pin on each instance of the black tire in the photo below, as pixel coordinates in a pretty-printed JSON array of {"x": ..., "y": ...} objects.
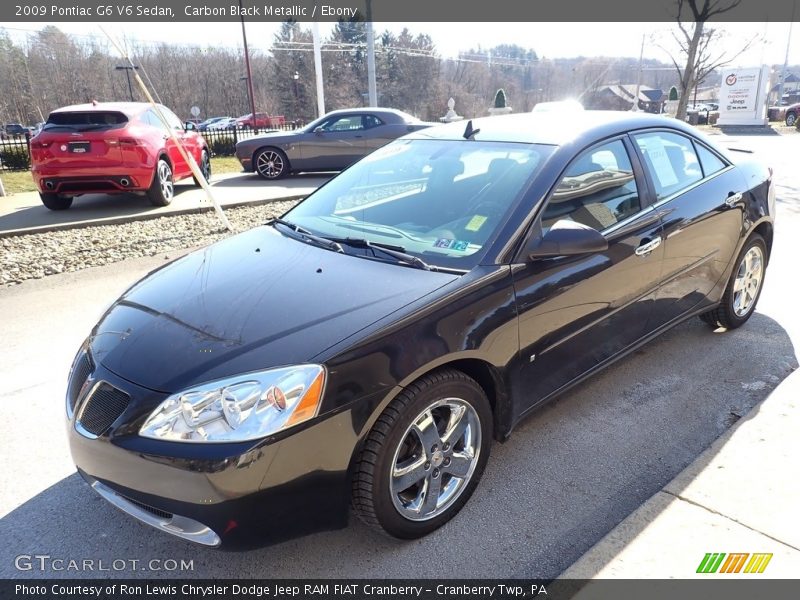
[
  {"x": 734, "y": 309},
  {"x": 205, "y": 167},
  {"x": 791, "y": 118},
  {"x": 56, "y": 201},
  {"x": 392, "y": 440},
  {"x": 271, "y": 163},
  {"x": 162, "y": 190}
]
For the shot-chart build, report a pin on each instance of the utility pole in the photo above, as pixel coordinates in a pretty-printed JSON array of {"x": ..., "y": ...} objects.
[
  {"x": 372, "y": 85},
  {"x": 318, "y": 70},
  {"x": 786, "y": 60},
  {"x": 247, "y": 68},
  {"x": 127, "y": 69}
]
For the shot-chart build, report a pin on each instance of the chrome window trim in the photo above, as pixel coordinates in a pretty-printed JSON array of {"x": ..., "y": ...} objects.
[{"x": 674, "y": 195}]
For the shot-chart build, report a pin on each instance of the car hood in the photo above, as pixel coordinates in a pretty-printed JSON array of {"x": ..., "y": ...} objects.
[
  {"x": 274, "y": 137},
  {"x": 254, "y": 301}
]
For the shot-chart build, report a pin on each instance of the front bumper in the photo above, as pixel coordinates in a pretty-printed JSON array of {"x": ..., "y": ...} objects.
[{"x": 227, "y": 495}]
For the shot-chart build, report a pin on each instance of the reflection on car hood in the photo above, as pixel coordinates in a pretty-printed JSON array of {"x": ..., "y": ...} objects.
[
  {"x": 272, "y": 136},
  {"x": 254, "y": 301}
]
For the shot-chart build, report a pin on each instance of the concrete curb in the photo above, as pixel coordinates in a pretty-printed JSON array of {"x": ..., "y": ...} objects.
[
  {"x": 141, "y": 217},
  {"x": 740, "y": 495}
]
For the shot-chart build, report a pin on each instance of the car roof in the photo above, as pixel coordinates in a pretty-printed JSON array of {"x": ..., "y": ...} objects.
[
  {"x": 370, "y": 109},
  {"x": 127, "y": 108},
  {"x": 549, "y": 128}
]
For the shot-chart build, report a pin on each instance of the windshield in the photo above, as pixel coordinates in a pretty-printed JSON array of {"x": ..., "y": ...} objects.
[
  {"x": 85, "y": 121},
  {"x": 440, "y": 200}
]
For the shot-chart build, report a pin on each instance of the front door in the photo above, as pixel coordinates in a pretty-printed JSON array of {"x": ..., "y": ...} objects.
[
  {"x": 335, "y": 144},
  {"x": 575, "y": 312}
]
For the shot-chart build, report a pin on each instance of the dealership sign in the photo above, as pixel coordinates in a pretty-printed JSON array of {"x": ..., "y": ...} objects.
[{"x": 743, "y": 96}]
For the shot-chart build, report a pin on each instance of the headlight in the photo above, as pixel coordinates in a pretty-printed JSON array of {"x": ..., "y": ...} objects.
[{"x": 241, "y": 408}]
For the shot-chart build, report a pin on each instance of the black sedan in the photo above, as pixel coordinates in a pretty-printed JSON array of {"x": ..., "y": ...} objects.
[
  {"x": 361, "y": 353},
  {"x": 331, "y": 143}
]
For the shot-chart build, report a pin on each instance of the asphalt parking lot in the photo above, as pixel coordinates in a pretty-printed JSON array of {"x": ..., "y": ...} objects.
[{"x": 567, "y": 476}]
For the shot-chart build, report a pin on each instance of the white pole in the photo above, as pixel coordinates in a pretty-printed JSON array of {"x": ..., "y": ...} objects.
[
  {"x": 372, "y": 87},
  {"x": 318, "y": 70},
  {"x": 635, "y": 107}
]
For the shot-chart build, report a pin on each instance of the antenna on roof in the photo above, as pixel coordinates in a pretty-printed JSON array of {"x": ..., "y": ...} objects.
[{"x": 469, "y": 132}]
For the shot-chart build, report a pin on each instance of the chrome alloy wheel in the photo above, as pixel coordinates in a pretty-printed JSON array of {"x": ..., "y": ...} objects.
[
  {"x": 270, "y": 164},
  {"x": 748, "y": 281},
  {"x": 165, "y": 180},
  {"x": 435, "y": 459}
]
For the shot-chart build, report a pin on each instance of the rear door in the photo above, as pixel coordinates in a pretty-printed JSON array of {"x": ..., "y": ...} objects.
[
  {"x": 575, "y": 312},
  {"x": 700, "y": 196},
  {"x": 179, "y": 164}
]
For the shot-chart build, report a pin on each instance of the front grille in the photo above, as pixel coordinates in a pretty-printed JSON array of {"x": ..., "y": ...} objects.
[
  {"x": 153, "y": 511},
  {"x": 104, "y": 405},
  {"x": 80, "y": 372}
]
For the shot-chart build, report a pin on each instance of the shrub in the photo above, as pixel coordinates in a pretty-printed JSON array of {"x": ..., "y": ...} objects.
[
  {"x": 500, "y": 99},
  {"x": 15, "y": 159},
  {"x": 221, "y": 145}
]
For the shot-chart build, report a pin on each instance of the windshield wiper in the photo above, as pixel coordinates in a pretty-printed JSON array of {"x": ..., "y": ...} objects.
[
  {"x": 396, "y": 252},
  {"x": 305, "y": 234}
]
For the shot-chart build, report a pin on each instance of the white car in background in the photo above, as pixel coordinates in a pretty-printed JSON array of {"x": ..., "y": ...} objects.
[{"x": 565, "y": 106}]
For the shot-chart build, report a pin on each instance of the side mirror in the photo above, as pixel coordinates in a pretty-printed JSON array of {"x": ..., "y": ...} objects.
[
  {"x": 189, "y": 126},
  {"x": 318, "y": 130},
  {"x": 569, "y": 238}
]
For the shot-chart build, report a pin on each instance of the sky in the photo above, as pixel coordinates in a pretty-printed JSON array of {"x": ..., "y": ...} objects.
[{"x": 551, "y": 40}]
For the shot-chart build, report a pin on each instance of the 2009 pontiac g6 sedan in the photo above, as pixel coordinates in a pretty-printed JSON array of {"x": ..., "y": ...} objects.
[{"x": 361, "y": 353}]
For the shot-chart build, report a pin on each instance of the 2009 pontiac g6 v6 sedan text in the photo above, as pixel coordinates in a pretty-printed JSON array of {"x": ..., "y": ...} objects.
[{"x": 362, "y": 352}]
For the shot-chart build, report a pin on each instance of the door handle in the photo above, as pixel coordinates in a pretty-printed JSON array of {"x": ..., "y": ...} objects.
[
  {"x": 733, "y": 198},
  {"x": 647, "y": 247}
]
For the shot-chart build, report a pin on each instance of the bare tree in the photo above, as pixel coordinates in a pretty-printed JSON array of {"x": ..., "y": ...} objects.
[{"x": 700, "y": 46}]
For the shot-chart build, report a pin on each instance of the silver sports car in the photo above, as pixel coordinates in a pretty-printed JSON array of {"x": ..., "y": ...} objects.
[{"x": 331, "y": 143}]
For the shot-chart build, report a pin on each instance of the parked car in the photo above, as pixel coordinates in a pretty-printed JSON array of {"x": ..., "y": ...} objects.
[
  {"x": 203, "y": 126},
  {"x": 791, "y": 113},
  {"x": 15, "y": 129},
  {"x": 369, "y": 345},
  {"x": 112, "y": 147},
  {"x": 261, "y": 121},
  {"x": 331, "y": 143},
  {"x": 224, "y": 124},
  {"x": 559, "y": 106}
]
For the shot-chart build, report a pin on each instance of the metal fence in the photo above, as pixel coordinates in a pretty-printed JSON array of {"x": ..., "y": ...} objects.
[
  {"x": 15, "y": 152},
  {"x": 222, "y": 142}
]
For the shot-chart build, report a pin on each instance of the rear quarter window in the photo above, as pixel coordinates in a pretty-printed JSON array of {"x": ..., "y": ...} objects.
[{"x": 710, "y": 162}]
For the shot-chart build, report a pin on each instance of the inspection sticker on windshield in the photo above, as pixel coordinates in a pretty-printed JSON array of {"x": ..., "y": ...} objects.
[
  {"x": 476, "y": 223},
  {"x": 460, "y": 245},
  {"x": 443, "y": 243}
]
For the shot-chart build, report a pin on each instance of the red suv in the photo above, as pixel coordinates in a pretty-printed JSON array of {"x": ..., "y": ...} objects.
[{"x": 112, "y": 147}]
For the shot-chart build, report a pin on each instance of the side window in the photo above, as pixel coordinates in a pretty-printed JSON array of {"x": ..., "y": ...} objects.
[
  {"x": 598, "y": 189},
  {"x": 172, "y": 119},
  {"x": 711, "y": 162},
  {"x": 151, "y": 118},
  {"x": 371, "y": 121},
  {"x": 349, "y": 123},
  {"x": 671, "y": 161}
]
